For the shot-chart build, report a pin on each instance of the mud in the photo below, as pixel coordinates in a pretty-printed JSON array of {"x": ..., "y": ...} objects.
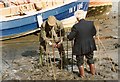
[{"x": 20, "y": 57}]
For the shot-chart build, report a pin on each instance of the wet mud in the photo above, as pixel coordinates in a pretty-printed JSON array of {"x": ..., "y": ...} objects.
[{"x": 20, "y": 57}]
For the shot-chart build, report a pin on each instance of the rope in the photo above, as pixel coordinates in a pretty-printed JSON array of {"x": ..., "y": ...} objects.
[{"x": 113, "y": 67}]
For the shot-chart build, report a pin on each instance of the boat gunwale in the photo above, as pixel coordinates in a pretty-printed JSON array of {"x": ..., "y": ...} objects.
[
  {"x": 36, "y": 12},
  {"x": 45, "y": 10}
]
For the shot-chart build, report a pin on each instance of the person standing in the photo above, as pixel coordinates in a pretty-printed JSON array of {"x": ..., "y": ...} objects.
[
  {"x": 53, "y": 28},
  {"x": 83, "y": 33}
]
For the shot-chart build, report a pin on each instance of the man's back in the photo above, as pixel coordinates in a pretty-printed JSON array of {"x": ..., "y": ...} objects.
[
  {"x": 85, "y": 29},
  {"x": 83, "y": 33}
]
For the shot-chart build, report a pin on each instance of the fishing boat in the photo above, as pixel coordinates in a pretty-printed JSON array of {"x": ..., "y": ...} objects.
[{"x": 24, "y": 19}]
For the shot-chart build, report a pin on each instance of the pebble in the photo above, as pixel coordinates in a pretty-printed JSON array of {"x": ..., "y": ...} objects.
[
  {"x": 113, "y": 69},
  {"x": 14, "y": 71},
  {"x": 116, "y": 45},
  {"x": 114, "y": 17}
]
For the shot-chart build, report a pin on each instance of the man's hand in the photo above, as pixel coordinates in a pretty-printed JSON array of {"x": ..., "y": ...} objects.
[
  {"x": 58, "y": 45},
  {"x": 50, "y": 43},
  {"x": 53, "y": 45}
]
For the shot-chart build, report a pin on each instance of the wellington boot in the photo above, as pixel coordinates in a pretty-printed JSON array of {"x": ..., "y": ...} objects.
[
  {"x": 81, "y": 71},
  {"x": 92, "y": 69}
]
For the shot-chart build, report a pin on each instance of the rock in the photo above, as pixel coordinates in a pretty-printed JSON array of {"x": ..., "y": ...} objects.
[
  {"x": 114, "y": 37},
  {"x": 98, "y": 73},
  {"x": 4, "y": 76},
  {"x": 108, "y": 71},
  {"x": 14, "y": 71},
  {"x": 116, "y": 64},
  {"x": 113, "y": 69},
  {"x": 32, "y": 62},
  {"x": 106, "y": 26},
  {"x": 107, "y": 58},
  {"x": 114, "y": 17},
  {"x": 117, "y": 45},
  {"x": 74, "y": 77},
  {"x": 118, "y": 15},
  {"x": 100, "y": 29},
  {"x": 37, "y": 70},
  {"x": 101, "y": 22},
  {"x": 96, "y": 59}
]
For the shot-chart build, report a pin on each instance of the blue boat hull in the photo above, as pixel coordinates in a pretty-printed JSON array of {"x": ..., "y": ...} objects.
[{"x": 28, "y": 23}]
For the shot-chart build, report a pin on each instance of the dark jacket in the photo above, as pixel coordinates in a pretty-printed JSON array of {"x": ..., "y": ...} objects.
[{"x": 83, "y": 33}]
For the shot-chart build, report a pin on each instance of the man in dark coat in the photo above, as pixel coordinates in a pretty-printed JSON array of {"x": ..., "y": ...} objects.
[
  {"x": 52, "y": 33},
  {"x": 83, "y": 34}
]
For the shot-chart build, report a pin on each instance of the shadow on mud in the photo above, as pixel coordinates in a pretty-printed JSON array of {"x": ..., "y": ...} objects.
[{"x": 30, "y": 53}]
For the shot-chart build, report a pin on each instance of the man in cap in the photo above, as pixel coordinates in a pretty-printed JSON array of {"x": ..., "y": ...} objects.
[
  {"x": 52, "y": 30},
  {"x": 83, "y": 34}
]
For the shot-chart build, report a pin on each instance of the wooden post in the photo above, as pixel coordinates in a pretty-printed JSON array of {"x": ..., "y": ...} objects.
[
  {"x": 72, "y": 55},
  {"x": 53, "y": 54},
  {"x": 67, "y": 54},
  {"x": 40, "y": 51},
  {"x": 47, "y": 53},
  {"x": 61, "y": 52}
]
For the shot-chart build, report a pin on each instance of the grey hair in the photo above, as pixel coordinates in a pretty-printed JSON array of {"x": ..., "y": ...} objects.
[{"x": 80, "y": 14}]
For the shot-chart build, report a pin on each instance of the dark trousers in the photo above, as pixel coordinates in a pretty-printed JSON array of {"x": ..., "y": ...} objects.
[{"x": 80, "y": 58}]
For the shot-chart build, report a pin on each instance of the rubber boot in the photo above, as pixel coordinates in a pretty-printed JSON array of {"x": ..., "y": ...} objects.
[
  {"x": 92, "y": 69},
  {"x": 81, "y": 71}
]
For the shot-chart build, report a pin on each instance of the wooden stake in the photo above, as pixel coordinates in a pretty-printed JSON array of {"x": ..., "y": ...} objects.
[
  {"x": 47, "y": 55},
  {"x": 61, "y": 52},
  {"x": 40, "y": 51},
  {"x": 72, "y": 55},
  {"x": 53, "y": 54},
  {"x": 67, "y": 51}
]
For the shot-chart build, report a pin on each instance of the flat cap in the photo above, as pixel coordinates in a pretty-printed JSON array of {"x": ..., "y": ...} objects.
[{"x": 51, "y": 20}]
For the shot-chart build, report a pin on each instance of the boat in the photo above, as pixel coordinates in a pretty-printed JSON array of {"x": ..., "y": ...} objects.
[{"x": 16, "y": 23}]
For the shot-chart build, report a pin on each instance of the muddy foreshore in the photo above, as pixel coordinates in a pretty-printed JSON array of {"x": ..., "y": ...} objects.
[{"x": 20, "y": 57}]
